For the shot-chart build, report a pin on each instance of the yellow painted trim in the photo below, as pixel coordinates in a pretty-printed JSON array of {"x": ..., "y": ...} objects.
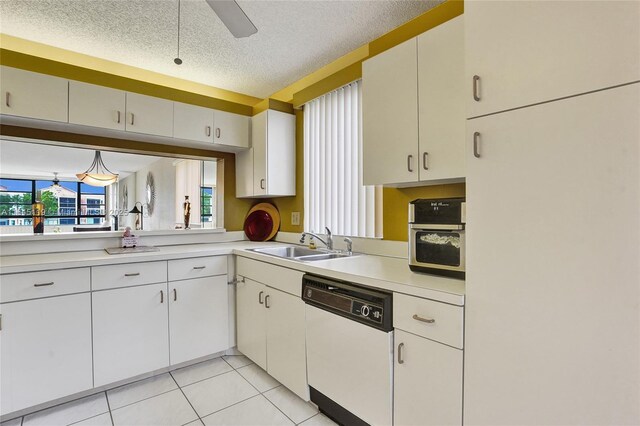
[
  {"x": 344, "y": 76},
  {"x": 355, "y": 56},
  {"x": 82, "y": 61}
]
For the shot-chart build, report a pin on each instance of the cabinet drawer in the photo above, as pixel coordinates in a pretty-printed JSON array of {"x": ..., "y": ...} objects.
[
  {"x": 287, "y": 280},
  {"x": 185, "y": 269},
  {"x": 130, "y": 274},
  {"x": 447, "y": 325},
  {"x": 32, "y": 285}
]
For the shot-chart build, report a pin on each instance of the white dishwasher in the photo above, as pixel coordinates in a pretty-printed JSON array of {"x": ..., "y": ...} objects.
[{"x": 349, "y": 351}]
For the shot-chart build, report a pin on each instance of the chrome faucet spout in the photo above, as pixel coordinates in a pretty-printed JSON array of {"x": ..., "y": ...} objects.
[{"x": 328, "y": 242}]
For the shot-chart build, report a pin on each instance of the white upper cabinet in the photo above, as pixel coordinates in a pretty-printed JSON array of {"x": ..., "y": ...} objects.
[
  {"x": 414, "y": 109},
  {"x": 231, "y": 129},
  {"x": 149, "y": 115},
  {"x": 390, "y": 115},
  {"x": 34, "y": 95},
  {"x": 272, "y": 159},
  {"x": 192, "y": 122},
  {"x": 96, "y": 106},
  {"x": 525, "y": 52},
  {"x": 441, "y": 102}
]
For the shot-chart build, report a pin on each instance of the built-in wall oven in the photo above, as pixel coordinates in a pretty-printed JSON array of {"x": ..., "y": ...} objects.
[
  {"x": 349, "y": 335},
  {"x": 437, "y": 236}
]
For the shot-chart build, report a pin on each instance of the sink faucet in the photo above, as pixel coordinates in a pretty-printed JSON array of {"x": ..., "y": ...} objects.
[
  {"x": 349, "y": 245},
  {"x": 328, "y": 242}
]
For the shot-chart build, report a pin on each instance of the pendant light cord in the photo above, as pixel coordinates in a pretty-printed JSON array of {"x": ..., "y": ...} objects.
[{"x": 178, "y": 61}]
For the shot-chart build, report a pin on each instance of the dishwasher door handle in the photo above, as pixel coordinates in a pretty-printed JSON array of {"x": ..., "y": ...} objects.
[{"x": 400, "y": 360}]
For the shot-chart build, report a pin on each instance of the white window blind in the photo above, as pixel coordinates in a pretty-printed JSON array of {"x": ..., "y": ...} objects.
[{"x": 334, "y": 196}]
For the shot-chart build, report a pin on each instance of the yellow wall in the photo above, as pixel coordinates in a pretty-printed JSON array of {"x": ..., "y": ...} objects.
[{"x": 49, "y": 60}]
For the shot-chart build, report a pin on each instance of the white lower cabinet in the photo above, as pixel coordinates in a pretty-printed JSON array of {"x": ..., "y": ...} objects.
[
  {"x": 271, "y": 332},
  {"x": 45, "y": 350},
  {"x": 198, "y": 317},
  {"x": 129, "y": 332},
  {"x": 427, "y": 382}
]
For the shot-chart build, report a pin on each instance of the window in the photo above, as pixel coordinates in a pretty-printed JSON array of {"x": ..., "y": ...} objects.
[
  {"x": 334, "y": 196},
  {"x": 206, "y": 205},
  {"x": 71, "y": 204}
]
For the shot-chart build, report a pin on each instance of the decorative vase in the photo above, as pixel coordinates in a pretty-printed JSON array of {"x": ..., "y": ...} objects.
[{"x": 186, "y": 206}]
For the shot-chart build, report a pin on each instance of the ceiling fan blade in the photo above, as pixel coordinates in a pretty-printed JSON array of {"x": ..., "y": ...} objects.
[{"x": 233, "y": 17}]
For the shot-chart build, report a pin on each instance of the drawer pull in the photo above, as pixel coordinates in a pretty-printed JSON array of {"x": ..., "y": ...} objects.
[
  {"x": 266, "y": 301},
  {"x": 260, "y": 301},
  {"x": 133, "y": 274},
  {"x": 427, "y": 320},
  {"x": 400, "y": 360},
  {"x": 199, "y": 267},
  {"x": 43, "y": 284},
  {"x": 476, "y": 84},
  {"x": 175, "y": 295},
  {"x": 161, "y": 296}
]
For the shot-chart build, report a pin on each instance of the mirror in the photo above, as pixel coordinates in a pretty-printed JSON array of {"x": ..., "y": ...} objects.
[{"x": 157, "y": 184}]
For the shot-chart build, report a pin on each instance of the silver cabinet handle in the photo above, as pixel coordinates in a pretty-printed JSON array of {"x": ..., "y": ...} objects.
[
  {"x": 175, "y": 295},
  {"x": 132, "y": 274},
  {"x": 419, "y": 318},
  {"x": 260, "y": 301},
  {"x": 132, "y": 118},
  {"x": 118, "y": 115},
  {"x": 199, "y": 267},
  {"x": 218, "y": 132},
  {"x": 266, "y": 301},
  {"x": 161, "y": 296},
  {"x": 409, "y": 161},
  {"x": 261, "y": 183},
  {"x": 7, "y": 99},
  {"x": 476, "y": 87},
  {"x": 425, "y": 159},
  {"x": 43, "y": 284},
  {"x": 476, "y": 144},
  {"x": 400, "y": 360},
  {"x": 208, "y": 130}
]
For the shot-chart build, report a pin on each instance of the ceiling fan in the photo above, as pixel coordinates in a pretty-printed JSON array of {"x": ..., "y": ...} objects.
[{"x": 233, "y": 17}]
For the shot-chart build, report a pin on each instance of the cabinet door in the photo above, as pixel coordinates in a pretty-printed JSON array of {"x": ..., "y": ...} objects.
[
  {"x": 231, "y": 129},
  {"x": 427, "y": 382},
  {"x": 192, "y": 122},
  {"x": 527, "y": 52},
  {"x": 286, "y": 349},
  {"x": 244, "y": 173},
  {"x": 129, "y": 332},
  {"x": 390, "y": 115},
  {"x": 251, "y": 321},
  {"x": 97, "y": 106},
  {"x": 553, "y": 232},
  {"x": 34, "y": 95},
  {"x": 281, "y": 154},
  {"x": 149, "y": 115},
  {"x": 259, "y": 125},
  {"x": 45, "y": 350},
  {"x": 442, "y": 102},
  {"x": 198, "y": 317}
]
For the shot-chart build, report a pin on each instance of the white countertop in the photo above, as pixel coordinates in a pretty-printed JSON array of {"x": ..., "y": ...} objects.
[{"x": 382, "y": 272}]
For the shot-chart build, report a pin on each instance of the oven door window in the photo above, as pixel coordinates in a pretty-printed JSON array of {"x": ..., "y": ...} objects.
[{"x": 438, "y": 247}]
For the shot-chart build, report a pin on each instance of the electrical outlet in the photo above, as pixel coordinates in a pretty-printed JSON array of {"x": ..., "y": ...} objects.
[{"x": 295, "y": 218}]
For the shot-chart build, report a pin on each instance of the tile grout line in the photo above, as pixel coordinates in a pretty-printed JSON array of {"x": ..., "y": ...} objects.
[
  {"x": 277, "y": 408},
  {"x": 185, "y": 397},
  {"x": 109, "y": 407}
]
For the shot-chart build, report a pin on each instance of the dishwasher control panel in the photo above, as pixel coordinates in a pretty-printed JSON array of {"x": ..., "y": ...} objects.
[{"x": 368, "y": 306}]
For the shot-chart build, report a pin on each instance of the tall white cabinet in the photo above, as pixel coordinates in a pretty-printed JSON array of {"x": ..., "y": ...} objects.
[
  {"x": 525, "y": 52},
  {"x": 554, "y": 190},
  {"x": 413, "y": 109}
]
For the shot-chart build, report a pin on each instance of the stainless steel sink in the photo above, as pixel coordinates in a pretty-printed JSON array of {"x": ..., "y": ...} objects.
[{"x": 300, "y": 253}]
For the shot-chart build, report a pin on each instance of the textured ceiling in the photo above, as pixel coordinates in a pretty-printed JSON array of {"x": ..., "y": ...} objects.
[{"x": 294, "y": 38}]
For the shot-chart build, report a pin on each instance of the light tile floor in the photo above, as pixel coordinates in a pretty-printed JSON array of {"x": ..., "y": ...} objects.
[{"x": 223, "y": 391}]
